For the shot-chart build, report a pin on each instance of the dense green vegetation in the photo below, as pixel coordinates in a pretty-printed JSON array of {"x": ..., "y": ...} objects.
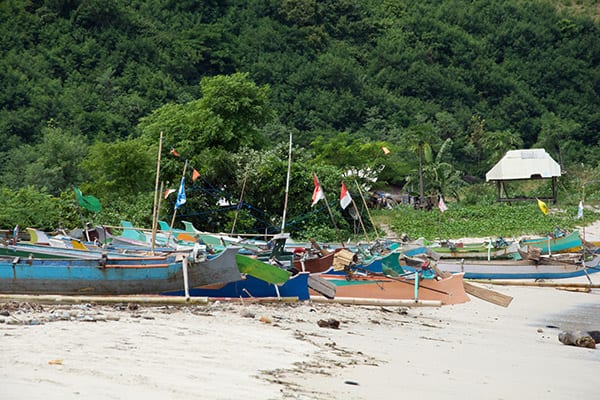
[
  {"x": 88, "y": 85},
  {"x": 497, "y": 220}
]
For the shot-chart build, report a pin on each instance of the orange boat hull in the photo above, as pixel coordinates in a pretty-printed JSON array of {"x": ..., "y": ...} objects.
[{"x": 449, "y": 290}]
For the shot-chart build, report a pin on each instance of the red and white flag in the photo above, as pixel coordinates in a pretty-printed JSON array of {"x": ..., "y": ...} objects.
[
  {"x": 169, "y": 191},
  {"x": 317, "y": 192},
  {"x": 442, "y": 206},
  {"x": 345, "y": 198}
]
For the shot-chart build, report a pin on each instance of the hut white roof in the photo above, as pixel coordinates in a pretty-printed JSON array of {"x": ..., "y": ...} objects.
[{"x": 524, "y": 164}]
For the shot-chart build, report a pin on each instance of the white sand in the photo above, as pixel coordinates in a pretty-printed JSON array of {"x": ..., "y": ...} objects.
[
  {"x": 278, "y": 351},
  {"x": 225, "y": 351}
]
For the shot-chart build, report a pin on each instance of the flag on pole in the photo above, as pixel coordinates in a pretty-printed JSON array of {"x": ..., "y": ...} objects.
[
  {"x": 317, "y": 192},
  {"x": 195, "y": 175},
  {"x": 168, "y": 192},
  {"x": 181, "y": 199},
  {"x": 90, "y": 203},
  {"x": 174, "y": 152},
  {"x": 441, "y": 205},
  {"x": 543, "y": 207},
  {"x": 580, "y": 210},
  {"x": 386, "y": 151},
  {"x": 345, "y": 198}
]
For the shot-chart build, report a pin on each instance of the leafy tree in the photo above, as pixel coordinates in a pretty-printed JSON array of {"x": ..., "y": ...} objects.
[
  {"x": 120, "y": 169},
  {"x": 52, "y": 164}
]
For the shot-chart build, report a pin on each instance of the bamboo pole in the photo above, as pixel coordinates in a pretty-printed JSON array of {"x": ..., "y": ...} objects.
[
  {"x": 367, "y": 209},
  {"x": 331, "y": 215},
  {"x": 155, "y": 205},
  {"x": 537, "y": 284},
  {"x": 175, "y": 210},
  {"x": 377, "y": 302},
  {"x": 76, "y": 299},
  {"x": 360, "y": 219},
  {"x": 287, "y": 186},
  {"x": 237, "y": 210}
]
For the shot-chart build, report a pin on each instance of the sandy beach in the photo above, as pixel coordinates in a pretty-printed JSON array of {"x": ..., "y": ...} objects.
[
  {"x": 279, "y": 351},
  {"x": 307, "y": 350}
]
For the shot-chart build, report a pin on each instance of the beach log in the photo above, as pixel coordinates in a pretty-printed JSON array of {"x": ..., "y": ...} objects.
[{"x": 577, "y": 338}]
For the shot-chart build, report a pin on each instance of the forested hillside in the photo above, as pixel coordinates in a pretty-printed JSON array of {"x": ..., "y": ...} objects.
[{"x": 87, "y": 85}]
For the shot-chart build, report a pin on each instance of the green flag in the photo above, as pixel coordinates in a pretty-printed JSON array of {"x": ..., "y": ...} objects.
[{"x": 90, "y": 203}]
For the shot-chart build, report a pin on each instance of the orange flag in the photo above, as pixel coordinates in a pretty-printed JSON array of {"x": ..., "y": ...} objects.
[
  {"x": 174, "y": 152},
  {"x": 195, "y": 175}
]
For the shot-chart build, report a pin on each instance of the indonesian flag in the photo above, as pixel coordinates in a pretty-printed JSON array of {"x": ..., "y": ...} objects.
[
  {"x": 317, "y": 192},
  {"x": 168, "y": 192},
  {"x": 442, "y": 206},
  {"x": 345, "y": 198}
]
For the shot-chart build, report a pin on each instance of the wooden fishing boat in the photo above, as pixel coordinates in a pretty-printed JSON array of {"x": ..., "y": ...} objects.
[
  {"x": 252, "y": 287},
  {"x": 568, "y": 243},
  {"x": 519, "y": 269},
  {"x": 479, "y": 251},
  {"x": 110, "y": 275},
  {"x": 448, "y": 290}
]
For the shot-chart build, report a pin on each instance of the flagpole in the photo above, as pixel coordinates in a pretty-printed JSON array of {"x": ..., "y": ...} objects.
[
  {"x": 287, "y": 185},
  {"x": 87, "y": 236},
  {"x": 155, "y": 205},
  {"x": 320, "y": 192},
  {"x": 333, "y": 221},
  {"x": 367, "y": 208},
  {"x": 175, "y": 211},
  {"x": 360, "y": 220}
]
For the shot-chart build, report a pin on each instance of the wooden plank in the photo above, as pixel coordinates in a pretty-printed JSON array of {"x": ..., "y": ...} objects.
[
  {"x": 488, "y": 295},
  {"x": 479, "y": 292},
  {"x": 321, "y": 286}
]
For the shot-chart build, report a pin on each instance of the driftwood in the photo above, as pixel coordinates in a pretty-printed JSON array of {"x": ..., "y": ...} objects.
[{"x": 578, "y": 338}]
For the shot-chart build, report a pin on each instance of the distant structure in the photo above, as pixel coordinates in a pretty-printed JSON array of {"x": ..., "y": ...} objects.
[{"x": 524, "y": 165}]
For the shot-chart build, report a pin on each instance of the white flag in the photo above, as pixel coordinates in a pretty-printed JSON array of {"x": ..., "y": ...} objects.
[
  {"x": 442, "y": 206},
  {"x": 580, "y": 210},
  {"x": 345, "y": 198}
]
